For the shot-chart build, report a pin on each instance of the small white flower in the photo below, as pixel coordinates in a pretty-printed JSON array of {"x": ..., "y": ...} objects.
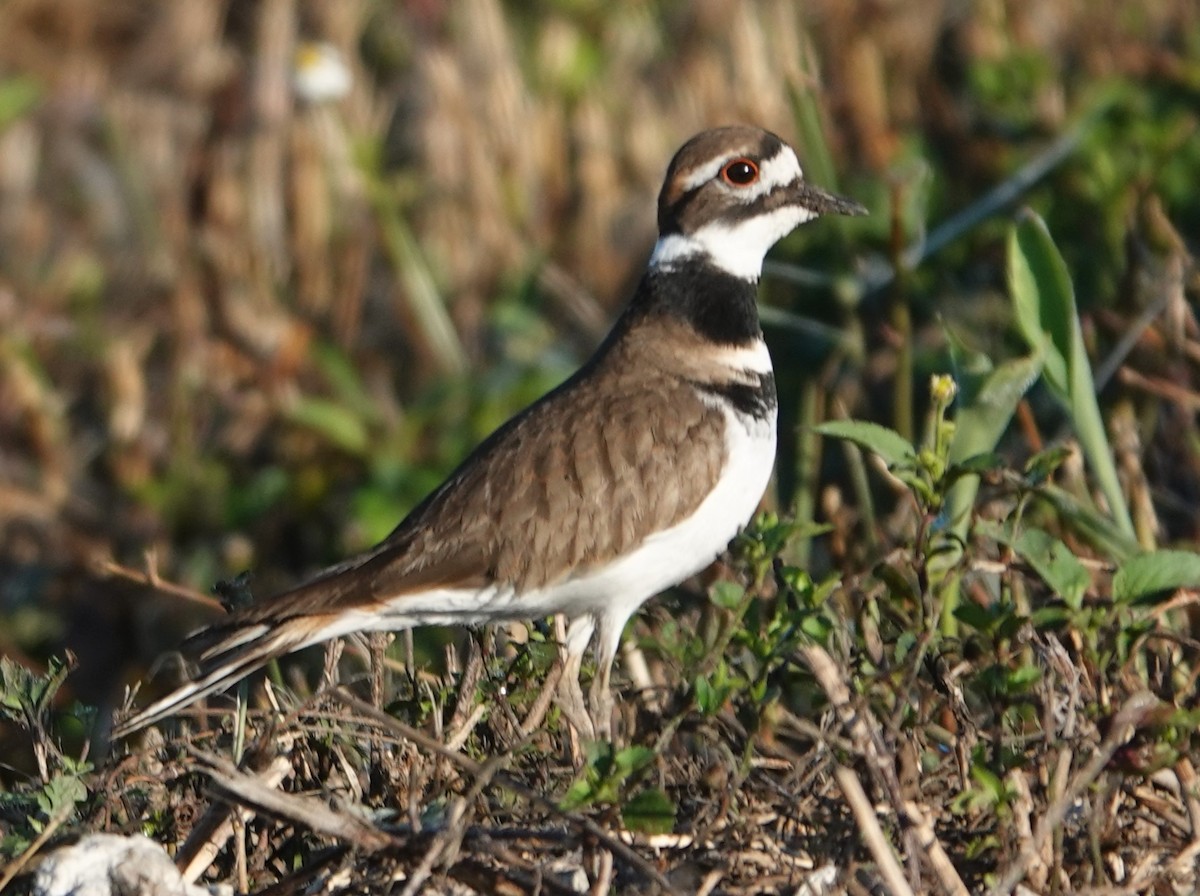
[{"x": 320, "y": 74}]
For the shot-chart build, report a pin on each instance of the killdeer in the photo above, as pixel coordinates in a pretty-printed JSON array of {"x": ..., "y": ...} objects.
[{"x": 629, "y": 477}]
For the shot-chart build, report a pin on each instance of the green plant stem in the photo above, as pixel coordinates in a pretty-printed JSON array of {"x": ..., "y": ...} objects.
[
  {"x": 808, "y": 466},
  {"x": 901, "y": 320},
  {"x": 428, "y": 310},
  {"x": 861, "y": 485}
]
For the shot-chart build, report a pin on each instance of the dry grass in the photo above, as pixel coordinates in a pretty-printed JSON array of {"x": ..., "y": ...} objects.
[{"x": 227, "y": 322}]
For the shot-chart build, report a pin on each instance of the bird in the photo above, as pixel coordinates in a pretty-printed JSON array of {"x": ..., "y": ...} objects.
[{"x": 631, "y": 476}]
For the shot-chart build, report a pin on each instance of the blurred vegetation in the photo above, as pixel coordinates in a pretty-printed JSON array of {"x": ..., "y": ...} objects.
[{"x": 244, "y": 325}]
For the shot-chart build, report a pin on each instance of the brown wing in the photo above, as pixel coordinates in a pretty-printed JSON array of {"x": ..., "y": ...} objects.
[
  {"x": 579, "y": 477},
  {"x": 578, "y": 482}
]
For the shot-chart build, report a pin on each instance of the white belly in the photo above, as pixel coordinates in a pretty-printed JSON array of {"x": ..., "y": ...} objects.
[{"x": 670, "y": 556}]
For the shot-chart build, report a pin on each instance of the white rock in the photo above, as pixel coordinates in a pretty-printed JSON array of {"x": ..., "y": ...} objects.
[{"x": 111, "y": 865}]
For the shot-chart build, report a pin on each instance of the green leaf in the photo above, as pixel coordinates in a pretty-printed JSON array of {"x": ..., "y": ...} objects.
[
  {"x": 987, "y": 399},
  {"x": 904, "y": 645},
  {"x": 887, "y": 443},
  {"x": 1023, "y": 678},
  {"x": 632, "y": 759},
  {"x": 26, "y": 697},
  {"x": 986, "y": 408},
  {"x": 1043, "y": 298},
  {"x": 898, "y": 585},
  {"x": 988, "y": 782},
  {"x": 1149, "y": 574},
  {"x": 816, "y": 627},
  {"x": 976, "y": 465},
  {"x": 1085, "y": 520},
  {"x": 1044, "y": 304},
  {"x": 60, "y": 792},
  {"x": 334, "y": 422},
  {"x": 1042, "y": 465},
  {"x": 1049, "y": 617},
  {"x": 578, "y": 795},
  {"x": 649, "y": 812},
  {"x": 1054, "y": 562},
  {"x": 708, "y": 698},
  {"x": 727, "y": 595},
  {"x": 977, "y": 616},
  {"x": 987, "y": 405}
]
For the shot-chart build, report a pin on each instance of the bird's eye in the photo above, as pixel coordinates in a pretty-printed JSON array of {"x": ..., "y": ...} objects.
[{"x": 740, "y": 173}]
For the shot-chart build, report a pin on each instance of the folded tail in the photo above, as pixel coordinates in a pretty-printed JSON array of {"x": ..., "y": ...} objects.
[{"x": 222, "y": 654}]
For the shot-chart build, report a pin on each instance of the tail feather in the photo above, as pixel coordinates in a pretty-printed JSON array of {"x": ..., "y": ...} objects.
[{"x": 224, "y": 654}]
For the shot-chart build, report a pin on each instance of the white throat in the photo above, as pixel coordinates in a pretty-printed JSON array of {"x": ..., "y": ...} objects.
[{"x": 738, "y": 248}]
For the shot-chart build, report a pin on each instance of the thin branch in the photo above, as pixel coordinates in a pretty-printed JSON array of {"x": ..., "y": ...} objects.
[
  {"x": 151, "y": 579},
  {"x": 872, "y": 833}
]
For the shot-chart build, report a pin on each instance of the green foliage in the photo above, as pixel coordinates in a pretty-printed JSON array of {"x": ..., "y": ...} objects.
[
  {"x": 26, "y": 699},
  {"x": 334, "y": 422},
  {"x": 649, "y": 811},
  {"x": 1006, "y": 85},
  {"x": 988, "y": 398},
  {"x": 927, "y": 470},
  {"x": 943, "y": 474},
  {"x": 1149, "y": 575},
  {"x": 892, "y": 448},
  {"x": 988, "y": 793},
  {"x": 1145, "y": 136},
  {"x": 347, "y": 417},
  {"x": 1042, "y": 587},
  {"x": 18, "y": 95},
  {"x": 607, "y": 777},
  {"x": 57, "y": 800},
  {"x": 748, "y": 666},
  {"x": 1049, "y": 557},
  {"x": 930, "y": 474},
  {"x": 768, "y": 538},
  {"x": 1044, "y": 304}
]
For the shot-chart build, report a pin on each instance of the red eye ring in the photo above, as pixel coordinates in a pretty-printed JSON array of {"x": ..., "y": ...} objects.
[{"x": 741, "y": 172}]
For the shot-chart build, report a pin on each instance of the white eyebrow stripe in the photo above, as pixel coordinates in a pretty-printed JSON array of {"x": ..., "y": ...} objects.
[
  {"x": 703, "y": 175},
  {"x": 781, "y": 169}
]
